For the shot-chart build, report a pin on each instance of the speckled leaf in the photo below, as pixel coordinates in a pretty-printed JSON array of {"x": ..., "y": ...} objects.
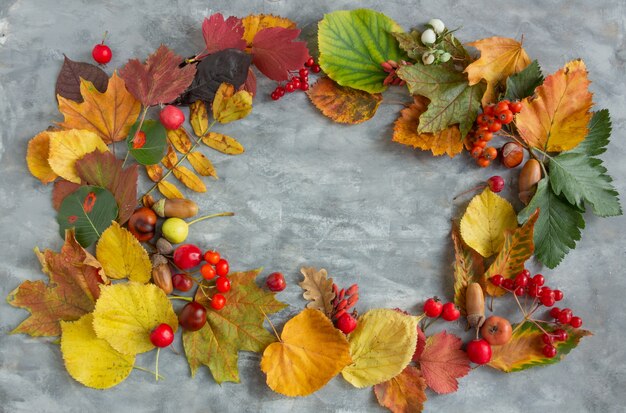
[
  {"x": 343, "y": 104},
  {"x": 468, "y": 267},
  {"x": 199, "y": 118},
  {"x": 223, "y": 143},
  {"x": 405, "y": 393},
  {"x": 189, "y": 179},
  {"x": 68, "y": 81},
  {"x": 179, "y": 138},
  {"x": 201, "y": 164},
  {"x": 229, "y": 106}
]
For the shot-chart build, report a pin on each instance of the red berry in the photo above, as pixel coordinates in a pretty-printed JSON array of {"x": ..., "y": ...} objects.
[
  {"x": 489, "y": 109},
  {"x": 162, "y": 335},
  {"x": 222, "y": 284},
  {"x": 548, "y": 301},
  {"x": 558, "y": 295},
  {"x": 547, "y": 338},
  {"x": 478, "y": 351},
  {"x": 490, "y": 153},
  {"x": 433, "y": 307},
  {"x": 483, "y": 119},
  {"x": 555, "y": 312},
  {"x": 505, "y": 117},
  {"x": 304, "y": 79},
  {"x": 450, "y": 312},
  {"x": 192, "y": 317},
  {"x": 304, "y": 86},
  {"x": 566, "y": 316},
  {"x": 507, "y": 284},
  {"x": 295, "y": 82},
  {"x": 576, "y": 322},
  {"x": 476, "y": 151},
  {"x": 171, "y": 117},
  {"x": 521, "y": 280},
  {"x": 280, "y": 91},
  {"x": 289, "y": 88},
  {"x": 560, "y": 334},
  {"x": 495, "y": 126},
  {"x": 346, "y": 323},
  {"x": 484, "y": 135},
  {"x": 218, "y": 302},
  {"x": 501, "y": 106},
  {"x": 496, "y": 280},
  {"x": 515, "y": 107},
  {"x": 274, "y": 96},
  {"x": 526, "y": 273},
  {"x": 519, "y": 291},
  {"x": 212, "y": 257},
  {"x": 187, "y": 256},
  {"x": 310, "y": 62},
  {"x": 539, "y": 280},
  {"x": 533, "y": 290},
  {"x": 316, "y": 68},
  {"x": 101, "y": 53},
  {"x": 182, "y": 282},
  {"x": 207, "y": 271},
  {"x": 303, "y": 72},
  {"x": 481, "y": 144},
  {"x": 549, "y": 351},
  {"x": 276, "y": 282},
  {"x": 221, "y": 268}
]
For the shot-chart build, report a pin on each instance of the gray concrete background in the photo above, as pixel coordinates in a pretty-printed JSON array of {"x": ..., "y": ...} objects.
[{"x": 308, "y": 191}]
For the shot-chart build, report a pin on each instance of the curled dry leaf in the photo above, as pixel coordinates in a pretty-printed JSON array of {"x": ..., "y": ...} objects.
[
  {"x": 179, "y": 138},
  {"x": 69, "y": 79},
  {"x": 254, "y": 23},
  {"x": 109, "y": 114},
  {"x": 443, "y": 362},
  {"x": 201, "y": 164},
  {"x": 37, "y": 158},
  {"x": 169, "y": 190},
  {"x": 189, "y": 179},
  {"x": 229, "y": 106},
  {"x": 405, "y": 132},
  {"x": 223, "y": 143},
  {"x": 405, "y": 393},
  {"x": 122, "y": 256},
  {"x": 68, "y": 146},
  {"x": 343, "y": 104},
  {"x": 318, "y": 289}
]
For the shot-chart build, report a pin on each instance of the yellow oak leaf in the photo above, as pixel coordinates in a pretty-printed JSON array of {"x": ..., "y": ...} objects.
[
  {"x": 311, "y": 351},
  {"x": 37, "y": 158},
  {"x": 91, "y": 360},
  {"x": 201, "y": 164},
  {"x": 381, "y": 346},
  {"x": 485, "y": 221},
  {"x": 229, "y": 106},
  {"x": 223, "y": 143},
  {"x": 556, "y": 118},
  {"x": 109, "y": 114},
  {"x": 199, "y": 118},
  {"x": 126, "y": 313},
  {"x": 500, "y": 57},
  {"x": 189, "y": 179},
  {"x": 179, "y": 138},
  {"x": 254, "y": 23},
  {"x": 122, "y": 256},
  {"x": 169, "y": 190},
  {"x": 68, "y": 146},
  {"x": 447, "y": 141}
]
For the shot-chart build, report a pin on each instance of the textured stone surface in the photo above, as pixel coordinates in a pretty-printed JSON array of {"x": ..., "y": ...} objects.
[{"x": 308, "y": 191}]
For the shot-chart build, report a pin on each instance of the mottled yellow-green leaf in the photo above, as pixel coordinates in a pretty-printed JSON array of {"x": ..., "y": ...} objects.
[
  {"x": 122, "y": 256},
  {"x": 223, "y": 143}
]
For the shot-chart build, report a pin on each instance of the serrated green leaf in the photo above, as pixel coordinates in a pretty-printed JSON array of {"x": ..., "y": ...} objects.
[
  {"x": 353, "y": 44},
  {"x": 523, "y": 84},
  {"x": 598, "y": 137},
  {"x": 452, "y": 99},
  {"x": 150, "y": 152},
  {"x": 558, "y": 227}
]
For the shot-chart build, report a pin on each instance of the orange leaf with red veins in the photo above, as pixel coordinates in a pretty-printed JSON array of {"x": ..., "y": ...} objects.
[
  {"x": 405, "y": 393},
  {"x": 442, "y": 362},
  {"x": 159, "y": 80},
  {"x": 275, "y": 53},
  {"x": 447, "y": 141},
  {"x": 72, "y": 290},
  {"x": 556, "y": 118},
  {"x": 220, "y": 34},
  {"x": 343, "y": 104},
  {"x": 500, "y": 57}
]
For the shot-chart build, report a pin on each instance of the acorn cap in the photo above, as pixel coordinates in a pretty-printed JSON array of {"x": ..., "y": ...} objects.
[{"x": 159, "y": 207}]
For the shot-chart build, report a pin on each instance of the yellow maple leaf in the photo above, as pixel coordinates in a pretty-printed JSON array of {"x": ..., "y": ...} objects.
[
  {"x": 381, "y": 334},
  {"x": 556, "y": 119},
  {"x": 311, "y": 351},
  {"x": 126, "y": 314},
  {"x": 254, "y": 23},
  {"x": 89, "y": 359},
  {"x": 37, "y": 158},
  {"x": 110, "y": 114},
  {"x": 68, "y": 146},
  {"x": 500, "y": 57},
  {"x": 229, "y": 106},
  {"x": 122, "y": 256},
  {"x": 486, "y": 219},
  {"x": 447, "y": 141}
]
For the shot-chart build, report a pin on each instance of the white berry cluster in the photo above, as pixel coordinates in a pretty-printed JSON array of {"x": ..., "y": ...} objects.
[{"x": 431, "y": 38}]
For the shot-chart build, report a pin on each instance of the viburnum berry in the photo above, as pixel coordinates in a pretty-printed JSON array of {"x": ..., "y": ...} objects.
[
  {"x": 496, "y": 280},
  {"x": 433, "y": 307},
  {"x": 208, "y": 272},
  {"x": 222, "y": 284},
  {"x": 549, "y": 351},
  {"x": 547, "y": 300},
  {"x": 304, "y": 86},
  {"x": 558, "y": 295},
  {"x": 346, "y": 323},
  {"x": 547, "y": 338},
  {"x": 576, "y": 322},
  {"x": 450, "y": 312},
  {"x": 533, "y": 290},
  {"x": 555, "y": 312},
  {"x": 538, "y": 280},
  {"x": 560, "y": 334},
  {"x": 289, "y": 88},
  {"x": 162, "y": 335},
  {"x": 496, "y": 183},
  {"x": 478, "y": 351},
  {"x": 274, "y": 96},
  {"x": 316, "y": 68},
  {"x": 519, "y": 291},
  {"x": 171, "y": 117},
  {"x": 303, "y": 72},
  {"x": 508, "y": 284},
  {"x": 218, "y": 302},
  {"x": 309, "y": 62},
  {"x": 212, "y": 257},
  {"x": 295, "y": 82},
  {"x": 222, "y": 267},
  {"x": 565, "y": 316},
  {"x": 521, "y": 280},
  {"x": 276, "y": 282}
]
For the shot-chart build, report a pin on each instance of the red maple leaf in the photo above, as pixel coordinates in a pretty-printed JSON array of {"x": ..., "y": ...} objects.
[
  {"x": 442, "y": 362},
  {"x": 220, "y": 34},
  {"x": 159, "y": 80},
  {"x": 275, "y": 53}
]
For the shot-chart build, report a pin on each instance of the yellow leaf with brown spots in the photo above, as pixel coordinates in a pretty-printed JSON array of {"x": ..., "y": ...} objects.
[
  {"x": 155, "y": 172},
  {"x": 199, "y": 118},
  {"x": 179, "y": 138},
  {"x": 229, "y": 106},
  {"x": 189, "y": 179},
  {"x": 201, "y": 164},
  {"x": 343, "y": 104},
  {"x": 170, "y": 159},
  {"x": 223, "y": 143}
]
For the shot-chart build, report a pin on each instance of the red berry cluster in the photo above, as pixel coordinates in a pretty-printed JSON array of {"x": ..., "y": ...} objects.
[
  {"x": 297, "y": 82},
  {"x": 342, "y": 303},
  {"x": 488, "y": 123},
  {"x": 434, "y": 308},
  {"x": 391, "y": 67}
]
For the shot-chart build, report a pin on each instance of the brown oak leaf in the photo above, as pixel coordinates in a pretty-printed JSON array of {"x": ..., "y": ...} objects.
[
  {"x": 318, "y": 289},
  {"x": 405, "y": 393},
  {"x": 442, "y": 362}
]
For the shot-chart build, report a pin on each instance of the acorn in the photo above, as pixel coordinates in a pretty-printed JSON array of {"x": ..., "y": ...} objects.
[
  {"x": 161, "y": 273},
  {"x": 175, "y": 208},
  {"x": 528, "y": 179}
]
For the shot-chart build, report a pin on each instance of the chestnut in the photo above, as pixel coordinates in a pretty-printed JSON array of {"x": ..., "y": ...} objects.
[
  {"x": 142, "y": 224},
  {"x": 512, "y": 154}
]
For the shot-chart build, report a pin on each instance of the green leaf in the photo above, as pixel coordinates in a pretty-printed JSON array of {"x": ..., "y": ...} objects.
[
  {"x": 598, "y": 137},
  {"x": 558, "y": 227},
  {"x": 523, "y": 84},
  {"x": 150, "y": 152},
  {"x": 452, "y": 99},
  {"x": 411, "y": 43},
  {"x": 90, "y": 211},
  {"x": 354, "y": 43}
]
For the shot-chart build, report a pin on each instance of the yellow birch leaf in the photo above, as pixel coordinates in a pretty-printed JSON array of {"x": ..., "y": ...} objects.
[
  {"x": 381, "y": 346},
  {"x": 169, "y": 190},
  {"x": 90, "y": 360},
  {"x": 110, "y": 114},
  {"x": 556, "y": 118},
  {"x": 68, "y": 146},
  {"x": 199, "y": 118},
  {"x": 485, "y": 221},
  {"x": 311, "y": 351},
  {"x": 170, "y": 159},
  {"x": 201, "y": 164},
  {"x": 155, "y": 172},
  {"x": 37, "y": 158},
  {"x": 189, "y": 179},
  {"x": 126, "y": 313},
  {"x": 229, "y": 106},
  {"x": 122, "y": 256},
  {"x": 255, "y": 23},
  {"x": 179, "y": 138},
  {"x": 500, "y": 57},
  {"x": 223, "y": 143}
]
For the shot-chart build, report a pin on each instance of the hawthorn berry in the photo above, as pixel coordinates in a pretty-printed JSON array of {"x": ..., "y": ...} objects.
[
  {"x": 208, "y": 272},
  {"x": 222, "y": 284},
  {"x": 496, "y": 183},
  {"x": 450, "y": 312},
  {"x": 212, "y": 257},
  {"x": 222, "y": 267},
  {"x": 218, "y": 302},
  {"x": 162, "y": 335},
  {"x": 515, "y": 107},
  {"x": 433, "y": 307}
]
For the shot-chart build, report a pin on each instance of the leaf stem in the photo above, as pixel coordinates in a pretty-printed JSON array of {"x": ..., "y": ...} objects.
[
  {"x": 221, "y": 214},
  {"x": 180, "y": 297},
  {"x": 146, "y": 371},
  {"x": 271, "y": 324},
  {"x": 156, "y": 369}
]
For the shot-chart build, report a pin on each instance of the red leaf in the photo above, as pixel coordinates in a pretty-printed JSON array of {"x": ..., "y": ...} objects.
[
  {"x": 443, "y": 361},
  {"x": 250, "y": 85},
  {"x": 62, "y": 188},
  {"x": 220, "y": 34},
  {"x": 405, "y": 393},
  {"x": 421, "y": 344},
  {"x": 275, "y": 53},
  {"x": 160, "y": 80}
]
